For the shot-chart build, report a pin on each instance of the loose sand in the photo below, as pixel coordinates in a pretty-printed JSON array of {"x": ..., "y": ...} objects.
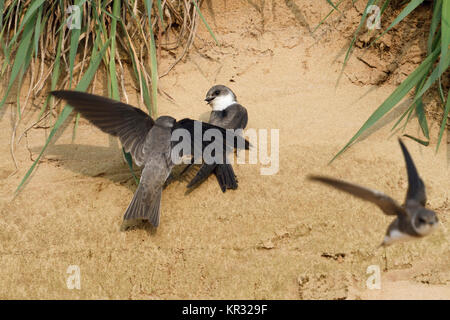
[{"x": 277, "y": 236}]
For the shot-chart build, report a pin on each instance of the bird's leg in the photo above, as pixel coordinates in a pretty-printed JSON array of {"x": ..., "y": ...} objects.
[{"x": 385, "y": 259}]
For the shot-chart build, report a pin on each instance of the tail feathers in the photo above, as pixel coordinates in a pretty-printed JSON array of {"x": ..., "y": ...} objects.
[
  {"x": 202, "y": 174},
  {"x": 224, "y": 173},
  {"x": 226, "y": 177},
  {"x": 141, "y": 208}
]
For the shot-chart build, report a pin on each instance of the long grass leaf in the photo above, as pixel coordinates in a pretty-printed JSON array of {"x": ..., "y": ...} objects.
[
  {"x": 154, "y": 64},
  {"x": 361, "y": 22},
  {"x": 437, "y": 72},
  {"x": 407, "y": 10},
  {"x": 395, "y": 97},
  {"x": 113, "y": 75},
  {"x": 422, "y": 142},
  {"x": 112, "y": 59},
  {"x": 37, "y": 31},
  {"x": 326, "y": 17},
  {"x": 160, "y": 11},
  {"x": 20, "y": 57},
  {"x": 35, "y": 5},
  {"x": 2, "y": 4},
  {"x": 204, "y": 21},
  {"x": 445, "y": 36},
  {"x": 437, "y": 10},
  {"x": 444, "y": 121},
  {"x": 74, "y": 41},
  {"x": 333, "y": 5}
]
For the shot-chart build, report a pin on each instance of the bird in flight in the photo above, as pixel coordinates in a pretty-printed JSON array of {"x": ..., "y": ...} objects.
[{"x": 413, "y": 219}]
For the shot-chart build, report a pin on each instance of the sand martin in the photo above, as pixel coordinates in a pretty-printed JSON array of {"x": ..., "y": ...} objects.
[
  {"x": 228, "y": 114},
  {"x": 148, "y": 141},
  {"x": 413, "y": 219}
]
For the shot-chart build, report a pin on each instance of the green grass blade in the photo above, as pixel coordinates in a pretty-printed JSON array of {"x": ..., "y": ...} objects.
[
  {"x": 437, "y": 72},
  {"x": 326, "y": 17},
  {"x": 422, "y": 142},
  {"x": 363, "y": 19},
  {"x": 383, "y": 8},
  {"x": 420, "y": 112},
  {"x": 129, "y": 160},
  {"x": 154, "y": 64},
  {"x": 407, "y": 112},
  {"x": 82, "y": 86},
  {"x": 20, "y": 57},
  {"x": 333, "y": 5},
  {"x": 2, "y": 5},
  {"x": 34, "y": 6},
  {"x": 37, "y": 31},
  {"x": 74, "y": 41},
  {"x": 445, "y": 36},
  {"x": 444, "y": 121},
  {"x": 112, "y": 58},
  {"x": 24, "y": 68},
  {"x": 204, "y": 21},
  {"x": 398, "y": 94},
  {"x": 139, "y": 77},
  {"x": 113, "y": 75},
  {"x": 407, "y": 10},
  {"x": 422, "y": 119},
  {"x": 160, "y": 11},
  {"x": 55, "y": 72},
  {"x": 437, "y": 10}
]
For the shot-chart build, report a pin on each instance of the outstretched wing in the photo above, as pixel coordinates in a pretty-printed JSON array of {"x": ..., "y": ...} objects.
[
  {"x": 128, "y": 123},
  {"x": 416, "y": 187},
  {"x": 384, "y": 202},
  {"x": 233, "y": 142}
]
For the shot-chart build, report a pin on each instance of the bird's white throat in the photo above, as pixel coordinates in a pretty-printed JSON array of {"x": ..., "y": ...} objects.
[{"x": 222, "y": 102}]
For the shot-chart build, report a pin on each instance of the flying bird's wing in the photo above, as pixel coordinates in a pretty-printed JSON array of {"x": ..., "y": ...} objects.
[
  {"x": 128, "y": 123},
  {"x": 384, "y": 202},
  {"x": 416, "y": 187}
]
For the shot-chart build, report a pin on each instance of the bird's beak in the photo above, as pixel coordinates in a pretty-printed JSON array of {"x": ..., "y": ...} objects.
[{"x": 209, "y": 99}]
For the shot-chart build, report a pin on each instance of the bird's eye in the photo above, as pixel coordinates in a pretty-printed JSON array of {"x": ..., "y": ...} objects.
[
  {"x": 421, "y": 220},
  {"x": 216, "y": 93}
]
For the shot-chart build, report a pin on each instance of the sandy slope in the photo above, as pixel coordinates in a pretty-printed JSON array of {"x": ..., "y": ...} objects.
[{"x": 277, "y": 236}]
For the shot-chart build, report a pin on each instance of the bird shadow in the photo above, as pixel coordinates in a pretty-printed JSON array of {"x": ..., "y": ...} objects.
[{"x": 91, "y": 161}]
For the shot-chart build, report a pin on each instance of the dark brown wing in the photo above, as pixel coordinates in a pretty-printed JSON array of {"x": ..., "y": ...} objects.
[
  {"x": 416, "y": 187},
  {"x": 128, "y": 123},
  {"x": 233, "y": 117},
  {"x": 384, "y": 202},
  {"x": 237, "y": 141}
]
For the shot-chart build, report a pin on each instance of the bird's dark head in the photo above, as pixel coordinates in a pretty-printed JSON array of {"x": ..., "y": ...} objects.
[
  {"x": 425, "y": 221},
  {"x": 220, "y": 97},
  {"x": 165, "y": 122}
]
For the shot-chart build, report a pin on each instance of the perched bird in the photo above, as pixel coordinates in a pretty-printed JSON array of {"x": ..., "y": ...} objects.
[
  {"x": 148, "y": 141},
  {"x": 413, "y": 219},
  {"x": 228, "y": 114}
]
